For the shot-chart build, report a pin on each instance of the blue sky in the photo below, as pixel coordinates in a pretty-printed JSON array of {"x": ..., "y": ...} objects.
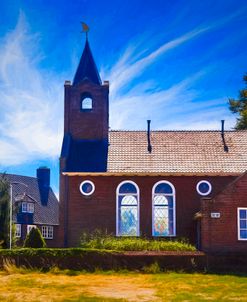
[{"x": 174, "y": 62}]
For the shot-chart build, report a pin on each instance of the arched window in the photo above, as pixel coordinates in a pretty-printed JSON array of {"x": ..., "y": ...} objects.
[
  {"x": 127, "y": 209},
  {"x": 163, "y": 196},
  {"x": 87, "y": 103}
]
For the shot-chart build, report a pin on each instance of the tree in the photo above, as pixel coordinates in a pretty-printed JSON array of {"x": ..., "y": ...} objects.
[
  {"x": 239, "y": 107},
  {"x": 34, "y": 239},
  {"x": 4, "y": 211}
]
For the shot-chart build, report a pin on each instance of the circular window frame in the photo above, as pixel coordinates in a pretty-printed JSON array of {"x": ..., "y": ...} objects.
[
  {"x": 209, "y": 190},
  {"x": 91, "y": 183}
]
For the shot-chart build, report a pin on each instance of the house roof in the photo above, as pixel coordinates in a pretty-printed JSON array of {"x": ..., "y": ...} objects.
[
  {"x": 25, "y": 188},
  {"x": 87, "y": 68},
  {"x": 177, "y": 152}
]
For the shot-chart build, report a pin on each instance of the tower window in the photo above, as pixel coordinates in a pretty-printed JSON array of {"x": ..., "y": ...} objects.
[{"x": 87, "y": 103}]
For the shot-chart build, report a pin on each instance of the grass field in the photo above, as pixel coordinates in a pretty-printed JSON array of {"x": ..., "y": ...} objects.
[{"x": 21, "y": 285}]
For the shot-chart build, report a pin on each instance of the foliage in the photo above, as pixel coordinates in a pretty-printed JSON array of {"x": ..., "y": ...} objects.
[
  {"x": 153, "y": 268},
  {"x": 100, "y": 240},
  {"x": 239, "y": 107},
  {"x": 57, "y": 253},
  {"x": 4, "y": 211},
  {"x": 34, "y": 239},
  {"x": 14, "y": 238}
]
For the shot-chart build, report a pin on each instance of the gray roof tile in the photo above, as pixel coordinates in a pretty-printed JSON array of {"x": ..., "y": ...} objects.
[{"x": 28, "y": 188}]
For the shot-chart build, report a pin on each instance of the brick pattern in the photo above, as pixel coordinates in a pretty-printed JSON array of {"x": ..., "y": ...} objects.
[
  {"x": 86, "y": 124},
  {"x": 221, "y": 234},
  {"x": 99, "y": 210}
]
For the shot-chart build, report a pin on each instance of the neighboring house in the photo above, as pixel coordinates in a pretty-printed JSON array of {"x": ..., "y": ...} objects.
[
  {"x": 144, "y": 183},
  {"x": 34, "y": 205}
]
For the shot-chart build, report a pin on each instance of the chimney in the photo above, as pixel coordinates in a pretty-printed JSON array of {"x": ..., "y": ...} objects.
[
  {"x": 223, "y": 135},
  {"x": 148, "y": 137},
  {"x": 43, "y": 177}
]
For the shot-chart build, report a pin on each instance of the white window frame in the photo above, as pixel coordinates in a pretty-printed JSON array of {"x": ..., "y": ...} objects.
[
  {"x": 47, "y": 231},
  {"x": 238, "y": 215},
  {"x": 27, "y": 207},
  {"x": 18, "y": 230},
  {"x": 30, "y": 207},
  {"x": 93, "y": 187},
  {"x": 138, "y": 206},
  {"x": 209, "y": 190},
  {"x": 173, "y": 194},
  {"x": 24, "y": 207},
  {"x": 30, "y": 226}
]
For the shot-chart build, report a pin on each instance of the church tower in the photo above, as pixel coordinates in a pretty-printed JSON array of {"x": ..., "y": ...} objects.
[
  {"x": 86, "y": 119},
  {"x": 85, "y": 141}
]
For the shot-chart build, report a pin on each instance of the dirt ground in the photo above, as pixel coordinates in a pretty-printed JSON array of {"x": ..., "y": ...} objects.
[
  {"x": 70, "y": 286},
  {"x": 49, "y": 287}
]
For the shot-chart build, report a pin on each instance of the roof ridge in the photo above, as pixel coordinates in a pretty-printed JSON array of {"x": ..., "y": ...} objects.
[{"x": 10, "y": 174}]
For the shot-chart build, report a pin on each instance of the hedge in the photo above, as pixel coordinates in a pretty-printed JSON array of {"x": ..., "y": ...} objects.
[{"x": 92, "y": 259}]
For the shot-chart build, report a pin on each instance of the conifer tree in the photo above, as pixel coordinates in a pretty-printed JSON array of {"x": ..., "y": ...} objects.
[
  {"x": 239, "y": 107},
  {"x": 34, "y": 239}
]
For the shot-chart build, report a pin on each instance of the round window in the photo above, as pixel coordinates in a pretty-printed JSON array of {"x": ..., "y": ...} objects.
[
  {"x": 204, "y": 187},
  {"x": 87, "y": 187}
]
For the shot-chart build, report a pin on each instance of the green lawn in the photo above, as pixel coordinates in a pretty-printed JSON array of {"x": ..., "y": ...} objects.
[{"x": 20, "y": 285}]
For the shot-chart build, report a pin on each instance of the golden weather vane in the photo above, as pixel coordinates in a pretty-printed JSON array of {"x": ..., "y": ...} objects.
[{"x": 85, "y": 28}]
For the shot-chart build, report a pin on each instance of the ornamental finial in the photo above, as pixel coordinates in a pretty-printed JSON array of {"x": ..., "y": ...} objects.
[{"x": 85, "y": 28}]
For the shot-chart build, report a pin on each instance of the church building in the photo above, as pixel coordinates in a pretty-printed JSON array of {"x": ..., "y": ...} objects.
[{"x": 157, "y": 184}]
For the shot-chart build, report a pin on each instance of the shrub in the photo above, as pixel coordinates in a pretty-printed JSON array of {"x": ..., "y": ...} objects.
[
  {"x": 34, "y": 239},
  {"x": 153, "y": 268},
  {"x": 101, "y": 240}
]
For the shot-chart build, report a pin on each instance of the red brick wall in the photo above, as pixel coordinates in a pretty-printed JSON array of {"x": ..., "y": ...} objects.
[
  {"x": 221, "y": 234},
  {"x": 86, "y": 124},
  {"x": 99, "y": 210}
]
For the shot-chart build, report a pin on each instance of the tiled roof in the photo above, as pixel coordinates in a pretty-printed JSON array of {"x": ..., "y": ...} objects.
[
  {"x": 177, "y": 152},
  {"x": 28, "y": 188}
]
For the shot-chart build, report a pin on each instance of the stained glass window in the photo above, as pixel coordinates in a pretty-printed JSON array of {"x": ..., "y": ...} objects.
[
  {"x": 163, "y": 209},
  {"x": 242, "y": 223},
  {"x": 128, "y": 209}
]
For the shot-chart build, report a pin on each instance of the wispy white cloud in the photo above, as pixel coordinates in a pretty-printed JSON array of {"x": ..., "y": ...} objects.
[
  {"x": 31, "y": 101},
  {"x": 125, "y": 70},
  {"x": 129, "y": 110}
]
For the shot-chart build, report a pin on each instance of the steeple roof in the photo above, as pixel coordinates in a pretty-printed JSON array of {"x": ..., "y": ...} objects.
[{"x": 87, "y": 68}]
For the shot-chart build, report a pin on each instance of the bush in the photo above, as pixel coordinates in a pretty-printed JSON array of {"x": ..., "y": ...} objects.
[
  {"x": 153, "y": 268},
  {"x": 102, "y": 240},
  {"x": 34, "y": 239},
  {"x": 92, "y": 260}
]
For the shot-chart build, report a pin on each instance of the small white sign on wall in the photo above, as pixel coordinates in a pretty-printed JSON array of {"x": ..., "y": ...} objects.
[{"x": 215, "y": 215}]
